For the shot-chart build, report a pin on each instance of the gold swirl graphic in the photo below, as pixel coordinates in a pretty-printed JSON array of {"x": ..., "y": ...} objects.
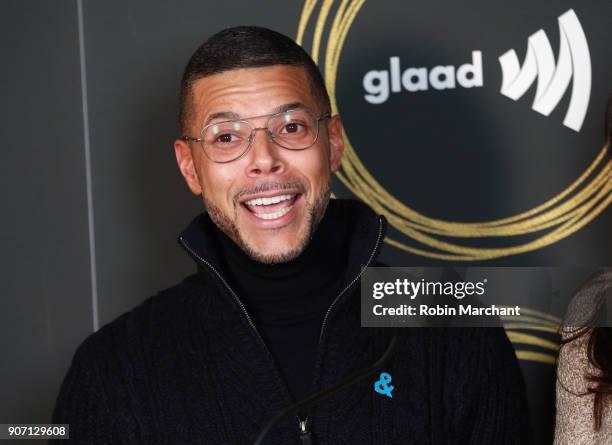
[{"x": 569, "y": 211}]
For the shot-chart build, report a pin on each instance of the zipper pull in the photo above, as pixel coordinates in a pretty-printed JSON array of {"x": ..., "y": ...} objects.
[{"x": 304, "y": 433}]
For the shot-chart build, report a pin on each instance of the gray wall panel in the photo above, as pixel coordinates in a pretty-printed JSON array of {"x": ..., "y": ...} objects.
[{"x": 45, "y": 309}]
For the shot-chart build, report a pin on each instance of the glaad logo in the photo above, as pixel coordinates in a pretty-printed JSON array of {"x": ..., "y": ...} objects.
[
  {"x": 532, "y": 229},
  {"x": 574, "y": 60},
  {"x": 553, "y": 80},
  {"x": 376, "y": 83}
]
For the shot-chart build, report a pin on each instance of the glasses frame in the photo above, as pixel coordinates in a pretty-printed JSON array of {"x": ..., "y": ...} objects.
[{"x": 251, "y": 137}]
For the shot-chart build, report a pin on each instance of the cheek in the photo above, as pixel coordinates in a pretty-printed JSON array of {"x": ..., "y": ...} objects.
[
  {"x": 317, "y": 169},
  {"x": 217, "y": 186}
]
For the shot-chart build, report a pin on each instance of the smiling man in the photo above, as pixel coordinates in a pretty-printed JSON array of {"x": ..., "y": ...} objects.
[
  {"x": 267, "y": 190},
  {"x": 273, "y": 313}
]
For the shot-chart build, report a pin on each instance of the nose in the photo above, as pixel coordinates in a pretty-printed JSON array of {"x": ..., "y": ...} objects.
[{"x": 265, "y": 157}]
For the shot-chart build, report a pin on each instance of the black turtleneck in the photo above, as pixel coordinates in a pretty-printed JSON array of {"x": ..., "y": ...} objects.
[{"x": 288, "y": 301}]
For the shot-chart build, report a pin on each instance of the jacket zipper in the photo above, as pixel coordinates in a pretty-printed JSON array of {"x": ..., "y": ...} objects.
[
  {"x": 305, "y": 434},
  {"x": 331, "y": 306},
  {"x": 244, "y": 311},
  {"x": 231, "y": 291}
]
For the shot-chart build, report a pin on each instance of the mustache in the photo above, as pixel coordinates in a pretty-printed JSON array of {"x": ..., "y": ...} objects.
[{"x": 267, "y": 186}]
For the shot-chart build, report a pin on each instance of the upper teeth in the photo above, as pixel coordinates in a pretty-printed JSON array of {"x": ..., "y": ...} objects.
[{"x": 268, "y": 201}]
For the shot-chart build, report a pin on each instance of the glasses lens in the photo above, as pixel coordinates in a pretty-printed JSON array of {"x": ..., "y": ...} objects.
[
  {"x": 294, "y": 129},
  {"x": 226, "y": 141}
]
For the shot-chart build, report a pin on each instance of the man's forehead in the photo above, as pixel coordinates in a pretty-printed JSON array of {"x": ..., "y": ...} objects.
[
  {"x": 233, "y": 115},
  {"x": 248, "y": 91}
]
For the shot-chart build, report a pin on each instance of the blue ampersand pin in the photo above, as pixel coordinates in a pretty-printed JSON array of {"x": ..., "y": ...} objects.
[{"x": 382, "y": 386}]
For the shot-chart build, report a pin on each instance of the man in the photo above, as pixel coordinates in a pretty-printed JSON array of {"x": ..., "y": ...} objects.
[{"x": 273, "y": 313}]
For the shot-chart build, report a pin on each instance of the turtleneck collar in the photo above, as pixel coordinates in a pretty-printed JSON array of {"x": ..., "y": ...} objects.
[
  {"x": 364, "y": 228},
  {"x": 294, "y": 291}
]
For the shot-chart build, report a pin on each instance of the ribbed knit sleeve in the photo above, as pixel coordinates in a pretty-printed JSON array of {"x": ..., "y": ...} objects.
[
  {"x": 502, "y": 414},
  {"x": 479, "y": 384},
  {"x": 81, "y": 402},
  {"x": 501, "y": 405}
]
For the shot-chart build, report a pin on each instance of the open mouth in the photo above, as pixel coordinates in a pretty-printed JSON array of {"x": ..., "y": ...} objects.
[{"x": 271, "y": 207}]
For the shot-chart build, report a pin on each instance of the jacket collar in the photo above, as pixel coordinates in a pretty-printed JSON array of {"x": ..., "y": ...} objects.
[{"x": 366, "y": 233}]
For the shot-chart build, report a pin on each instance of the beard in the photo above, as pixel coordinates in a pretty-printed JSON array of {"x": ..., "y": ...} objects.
[{"x": 314, "y": 214}]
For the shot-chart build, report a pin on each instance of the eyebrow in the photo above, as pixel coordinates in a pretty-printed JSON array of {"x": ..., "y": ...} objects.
[{"x": 230, "y": 115}]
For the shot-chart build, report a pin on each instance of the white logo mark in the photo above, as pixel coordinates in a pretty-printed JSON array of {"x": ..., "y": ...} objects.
[{"x": 574, "y": 60}]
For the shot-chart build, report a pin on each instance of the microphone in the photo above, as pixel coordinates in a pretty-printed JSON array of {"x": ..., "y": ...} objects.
[{"x": 315, "y": 398}]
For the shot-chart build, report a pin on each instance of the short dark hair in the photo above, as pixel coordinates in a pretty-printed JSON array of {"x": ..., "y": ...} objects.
[{"x": 246, "y": 47}]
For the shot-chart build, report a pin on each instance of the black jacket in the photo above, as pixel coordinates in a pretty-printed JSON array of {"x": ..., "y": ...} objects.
[{"x": 188, "y": 367}]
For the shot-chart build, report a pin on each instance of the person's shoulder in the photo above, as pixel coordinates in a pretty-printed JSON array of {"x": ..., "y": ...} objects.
[
  {"x": 573, "y": 365},
  {"x": 462, "y": 344},
  {"x": 464, "y": 339},
  {"x": 467, "y": 349},
  {"x": 166, "y": 310}
]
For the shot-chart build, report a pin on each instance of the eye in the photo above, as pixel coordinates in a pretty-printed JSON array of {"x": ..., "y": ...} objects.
[
  {"x": 226, "y": 138},
  {"x": 226, "y": 134},
  {"x": 292, "y": 127}
]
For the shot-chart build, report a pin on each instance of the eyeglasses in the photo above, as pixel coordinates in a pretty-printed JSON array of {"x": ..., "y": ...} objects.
[{"x": 226, "y": 141}]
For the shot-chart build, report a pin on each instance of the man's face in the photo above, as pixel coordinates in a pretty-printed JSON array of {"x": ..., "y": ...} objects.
[{"x": 270, "y": 200}]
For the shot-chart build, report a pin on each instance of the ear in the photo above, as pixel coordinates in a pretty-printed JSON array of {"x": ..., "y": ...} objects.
[
  {"x": 186, "y": 164},
  {"x": 336, "y": 142}
]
